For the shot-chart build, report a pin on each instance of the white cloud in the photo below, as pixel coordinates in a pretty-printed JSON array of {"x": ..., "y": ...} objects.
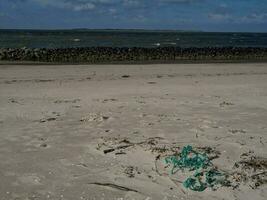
[
  {"x": 254, "y": 18},
  {"x": 84, "y": 7},
  {"x": 78, "y": 5},
  {"x": 245, "y": 19},
  {"x": 112, "y": 11},
  {"x": 219, "y": 16},
  {"x": 87, "y": 4}
]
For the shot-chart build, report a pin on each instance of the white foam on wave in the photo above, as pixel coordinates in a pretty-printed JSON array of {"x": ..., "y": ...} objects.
[{"x": 170, "y": 43}]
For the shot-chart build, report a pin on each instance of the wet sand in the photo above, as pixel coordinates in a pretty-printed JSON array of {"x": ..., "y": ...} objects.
[{"x": 102, "y": 131}]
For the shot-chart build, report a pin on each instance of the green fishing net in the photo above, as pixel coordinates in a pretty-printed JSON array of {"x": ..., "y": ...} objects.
[{"x": 204, "y": 173}]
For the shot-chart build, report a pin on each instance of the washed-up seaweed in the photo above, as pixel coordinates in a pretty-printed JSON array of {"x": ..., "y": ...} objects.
[{"x": 252, "y": 169}]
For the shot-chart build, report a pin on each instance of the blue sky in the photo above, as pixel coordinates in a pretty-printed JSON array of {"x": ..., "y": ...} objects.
[{"x": 206, "y": 15}]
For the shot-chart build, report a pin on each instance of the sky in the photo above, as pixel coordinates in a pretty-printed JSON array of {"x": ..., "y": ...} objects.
[{"x": 199, "y": 15}]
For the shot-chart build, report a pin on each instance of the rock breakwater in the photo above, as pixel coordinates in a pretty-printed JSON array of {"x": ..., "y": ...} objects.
[{"x": 108, "y": 54}]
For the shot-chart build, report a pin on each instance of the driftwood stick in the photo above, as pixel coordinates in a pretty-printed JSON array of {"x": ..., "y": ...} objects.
[{"x": 115, "y": 186}]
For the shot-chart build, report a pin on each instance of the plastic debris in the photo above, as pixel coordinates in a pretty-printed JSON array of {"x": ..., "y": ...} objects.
[{"x": 204, "y": 176}]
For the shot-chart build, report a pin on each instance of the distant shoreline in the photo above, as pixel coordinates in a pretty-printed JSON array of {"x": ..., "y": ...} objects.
[
  {"x": 127, "y": 30},
  {"x": 133, "y": 30},
  {"x": 109, "y": 55}
]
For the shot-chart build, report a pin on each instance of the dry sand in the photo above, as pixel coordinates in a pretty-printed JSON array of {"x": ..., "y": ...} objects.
[{"x": 57, "y": 121}]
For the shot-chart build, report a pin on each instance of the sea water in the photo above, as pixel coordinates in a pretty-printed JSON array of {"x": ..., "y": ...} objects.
[{"x": 126, "y": 38}]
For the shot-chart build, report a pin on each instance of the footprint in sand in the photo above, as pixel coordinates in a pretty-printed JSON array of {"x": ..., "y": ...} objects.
[
  {"x": 49, "y": 119},
  {"x": 30, "y": 179}
]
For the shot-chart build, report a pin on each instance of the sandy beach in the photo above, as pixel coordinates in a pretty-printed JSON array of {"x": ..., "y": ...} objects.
[{"x": 102, "y": 131}]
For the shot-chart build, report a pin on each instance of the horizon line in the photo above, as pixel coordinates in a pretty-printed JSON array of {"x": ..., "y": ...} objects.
[{"x": 125, "y": 29}]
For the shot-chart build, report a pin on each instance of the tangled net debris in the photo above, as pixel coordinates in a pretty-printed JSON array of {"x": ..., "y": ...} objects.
[{"x": 205, "y": 174}]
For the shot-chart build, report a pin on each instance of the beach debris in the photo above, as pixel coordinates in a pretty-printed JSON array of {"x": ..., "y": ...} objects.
[
  {"x": 203, "y": 173},
  {"x": 108, "y": 150},
  {"x": 224, "y": 103},
  {"x": 125, "y": 76},
  {"x": 114, "y": 186},
  {"x": 237, "y": 131},
  {"x": 120, "y": 153},
  {"x": 13, "y": 100},
  {"x": 93, "y": 117},
  {"x": 48, "y": 119},
  {"x": 109, "y": 100},
  {"x": 117, "y": 148},
  {"x": 194, "y": 165},
  {"x": 252, "y": 170},
  {"x": 125, "y": 144},
  {"x": 67, "y": 101},
  {"x": 253, "y": 163},
  {"x": 210, "y": 152},
  {"x": 105, "y": 117},
  {"x": 130, "y": 171},
  {"x": 44, "y": 145}
]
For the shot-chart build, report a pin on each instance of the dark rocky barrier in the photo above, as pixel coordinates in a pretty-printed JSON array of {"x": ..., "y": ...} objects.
[{"x": 108, "y": 54}]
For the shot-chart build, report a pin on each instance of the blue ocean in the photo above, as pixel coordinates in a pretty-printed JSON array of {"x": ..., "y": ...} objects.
[{"x": 126, "y": 38}]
